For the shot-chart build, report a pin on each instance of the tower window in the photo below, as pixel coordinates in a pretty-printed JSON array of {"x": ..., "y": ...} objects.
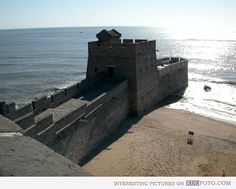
[
  {"x": 96, "y": 69},
  {"x": 110, "y": 71}
]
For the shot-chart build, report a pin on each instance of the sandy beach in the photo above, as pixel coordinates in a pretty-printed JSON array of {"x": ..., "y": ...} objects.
[{"x": 156, "y": 145}]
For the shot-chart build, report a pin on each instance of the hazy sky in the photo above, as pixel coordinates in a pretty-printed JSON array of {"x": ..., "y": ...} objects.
[{"x": 160, "y": 13}]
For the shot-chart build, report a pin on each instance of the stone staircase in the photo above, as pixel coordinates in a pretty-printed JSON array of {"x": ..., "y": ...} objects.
[
  {"x": 49, "y": 122},
  {"x": 73, "y": 128}
]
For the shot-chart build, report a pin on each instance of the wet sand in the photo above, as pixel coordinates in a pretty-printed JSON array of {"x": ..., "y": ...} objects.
[{"x": 156, "y": 145}]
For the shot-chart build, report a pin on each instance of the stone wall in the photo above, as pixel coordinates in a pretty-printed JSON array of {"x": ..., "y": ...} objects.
[
  {"x": 41, "y": 104},
  {"x": 172, "y": 78},
  {"x": 79, "y": 131},
  {"x": 77, "y": 140},
  {"x": 152, "y": 87}
]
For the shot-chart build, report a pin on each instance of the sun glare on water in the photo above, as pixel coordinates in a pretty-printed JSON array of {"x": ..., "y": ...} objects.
[{"x": 203, "y": 33}]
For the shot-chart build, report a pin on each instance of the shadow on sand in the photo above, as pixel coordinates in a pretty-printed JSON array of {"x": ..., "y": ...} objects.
[{"x": 126, "y": 125}]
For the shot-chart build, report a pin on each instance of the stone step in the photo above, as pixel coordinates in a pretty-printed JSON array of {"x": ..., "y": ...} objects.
[
  {"x": 62, "y": 132},
  {"x": 68, "y": 117},
  {"x": 90, "y": 115},
  {"x": 75, "y": 153},
  {"x": 41, "y": 124},
  {"x": 25, "y": 121}
]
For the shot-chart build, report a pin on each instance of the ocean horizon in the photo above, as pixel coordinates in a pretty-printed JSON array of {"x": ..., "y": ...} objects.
[{"x": 37, "y": 61}]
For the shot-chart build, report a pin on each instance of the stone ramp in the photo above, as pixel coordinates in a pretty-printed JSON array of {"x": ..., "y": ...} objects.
[
  {"x": 50, "y": 123},
  {"x": 23, "y": 156},
  {"x": 62, "y": 110},
  {"x": 62, "y": 116},
  {"x": 97, "y": 90},
  {"x": 56, "y": 127},
  {"x": 41, "y": 123}
]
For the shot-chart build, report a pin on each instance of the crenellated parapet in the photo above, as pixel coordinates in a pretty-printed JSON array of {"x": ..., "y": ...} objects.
[
  {"x": 125, "y": 48},
  {"x": 38, "y": 105},
  {"x": 169, "y": 66}
]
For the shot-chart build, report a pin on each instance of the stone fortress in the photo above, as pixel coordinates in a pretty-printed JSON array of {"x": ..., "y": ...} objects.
[{"x": 124, "y": 77}]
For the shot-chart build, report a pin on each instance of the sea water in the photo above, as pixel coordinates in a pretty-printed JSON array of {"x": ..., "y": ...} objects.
[{"x": 36, "y": 62}]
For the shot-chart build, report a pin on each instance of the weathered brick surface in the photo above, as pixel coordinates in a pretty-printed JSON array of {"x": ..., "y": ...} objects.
[
  {"x": 25, "y": 121},
  {"x": 40, "y": 125}
]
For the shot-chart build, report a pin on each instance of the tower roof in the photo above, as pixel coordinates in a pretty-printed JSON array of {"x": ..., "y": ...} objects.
[{"x": 108, "y": 36}]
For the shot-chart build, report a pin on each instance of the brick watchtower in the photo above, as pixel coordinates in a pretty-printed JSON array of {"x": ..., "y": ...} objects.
[{"x": 132, "y": 60}]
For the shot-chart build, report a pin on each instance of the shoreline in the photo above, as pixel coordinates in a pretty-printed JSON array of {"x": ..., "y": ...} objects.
[
  {"x": 214, "y": 118},
  {"x": 156, "y": 145}
]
